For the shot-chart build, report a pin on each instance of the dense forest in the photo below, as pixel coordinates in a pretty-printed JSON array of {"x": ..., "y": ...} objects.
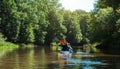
[{"x": 40, "y": 21}]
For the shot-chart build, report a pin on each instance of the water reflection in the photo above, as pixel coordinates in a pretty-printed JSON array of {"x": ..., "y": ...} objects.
[{"x": 45, "y": 58}]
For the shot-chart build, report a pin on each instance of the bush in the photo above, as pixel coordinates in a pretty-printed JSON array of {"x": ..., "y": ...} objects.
[{"x": 2, "y": 39}]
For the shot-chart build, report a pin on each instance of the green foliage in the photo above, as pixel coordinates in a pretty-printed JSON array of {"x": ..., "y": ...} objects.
[
  {"x": 26, "y": 34},
  {"x": 108, "y": 3},
  {"x": 4, "y": 44},
  {"x": 2, "y": 39},
  {"x": 103, "y": 25},
  {"x": 39, "y": 37},
  {"x": 116, "y": 37},
  {"x": 27, "y": 15},
  {"x": 9, "y": 19},
  {"x": 55, "y": 27},
  {"x": 71, "y": 22},
  {"x": 118, "y": 25},
  {"x": 84, "y": 23},
  {"x": 8, "y": 45},
  {"x": 40, "y": 21}
]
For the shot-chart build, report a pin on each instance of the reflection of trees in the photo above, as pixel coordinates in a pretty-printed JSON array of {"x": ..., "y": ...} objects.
[
  {"x": 31, "y": 59},
  {"x": 42, "y": 58},
  {"x": 4, "y": 50},
  {"x": 24, "y": 59}
]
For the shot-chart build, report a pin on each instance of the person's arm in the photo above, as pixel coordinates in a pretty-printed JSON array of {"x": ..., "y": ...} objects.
[{"x": 69, "y": 46}]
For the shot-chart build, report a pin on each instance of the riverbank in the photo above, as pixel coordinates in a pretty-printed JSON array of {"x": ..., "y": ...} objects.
[{"x": 8, "y": 45}]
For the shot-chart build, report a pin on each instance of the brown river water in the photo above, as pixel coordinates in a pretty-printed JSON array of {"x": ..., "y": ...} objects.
[{"x": 46, "y": 58}]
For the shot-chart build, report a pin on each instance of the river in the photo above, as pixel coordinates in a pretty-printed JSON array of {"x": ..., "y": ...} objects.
[{"x": 46, "y": 58}]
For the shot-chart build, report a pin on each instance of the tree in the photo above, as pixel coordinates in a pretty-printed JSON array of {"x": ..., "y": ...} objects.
[
  {"x": 83, "y": 22},
  {"x": 102, "y": 25},
  {"x": 108, "y": 3},
  {"x": 25, "y": 9},
  {"x": 10, "y": 23},
  {"x": 71, "y": 22},
  {"x": 55, "y": 27}
]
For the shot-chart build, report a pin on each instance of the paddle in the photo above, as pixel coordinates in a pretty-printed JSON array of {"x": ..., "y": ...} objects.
[{"x": 61, "y": 41}]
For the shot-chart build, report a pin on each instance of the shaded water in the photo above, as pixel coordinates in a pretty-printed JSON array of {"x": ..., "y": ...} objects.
[{"x": 46, "y": 58}]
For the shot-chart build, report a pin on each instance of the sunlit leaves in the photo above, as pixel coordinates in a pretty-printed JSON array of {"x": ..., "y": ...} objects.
[
  {"x": 103, "y": 25},
  {"x": 71, "y": 21}
]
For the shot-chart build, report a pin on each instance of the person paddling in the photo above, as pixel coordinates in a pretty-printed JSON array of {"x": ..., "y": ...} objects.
[{"x": 66, "y": 46}]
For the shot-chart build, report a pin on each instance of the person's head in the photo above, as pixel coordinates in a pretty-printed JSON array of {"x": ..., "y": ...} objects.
[
  {"x": 65, "y": 43},
  {"x": 62, "y": 41}
]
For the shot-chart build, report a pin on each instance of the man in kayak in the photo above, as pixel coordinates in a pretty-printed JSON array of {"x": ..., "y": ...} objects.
[{"x": 66, "y": 46}]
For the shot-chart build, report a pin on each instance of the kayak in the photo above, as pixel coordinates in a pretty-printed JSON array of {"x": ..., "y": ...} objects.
[{"x": 65, "y": 54}]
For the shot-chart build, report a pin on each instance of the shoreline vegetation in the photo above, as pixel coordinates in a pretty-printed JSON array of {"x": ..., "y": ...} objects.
[
  {"x": 89, "y": 48},
  {"x": 6, "y": 47},
  {"x": 40, "y": 21}
]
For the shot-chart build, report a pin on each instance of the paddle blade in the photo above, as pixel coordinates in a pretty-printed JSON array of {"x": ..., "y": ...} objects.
[{"x": 56, "y": 39}]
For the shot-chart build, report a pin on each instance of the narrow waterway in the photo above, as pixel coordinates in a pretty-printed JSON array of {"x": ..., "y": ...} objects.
[{"x": 46, "y": 58}]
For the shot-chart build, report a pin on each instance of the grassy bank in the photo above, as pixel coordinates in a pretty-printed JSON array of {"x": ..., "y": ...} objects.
[{"x": 6, "y": 47}]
